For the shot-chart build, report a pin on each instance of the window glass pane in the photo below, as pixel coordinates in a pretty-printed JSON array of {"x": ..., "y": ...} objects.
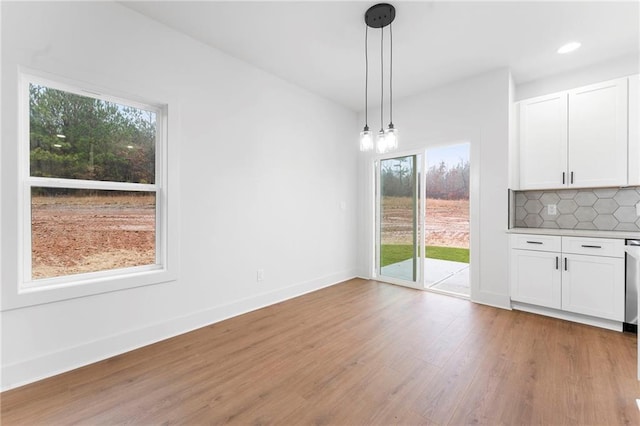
[
  {"x": 79, "y": 137},
  {"x": 76, "y": 231}
]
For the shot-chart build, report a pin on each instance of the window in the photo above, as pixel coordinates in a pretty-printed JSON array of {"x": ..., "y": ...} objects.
[{"x": 94, "y": 202}]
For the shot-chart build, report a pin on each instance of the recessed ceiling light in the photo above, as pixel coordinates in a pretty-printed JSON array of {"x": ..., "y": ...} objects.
[
  {"x": 569, "y": 47},
  {"x": 60, "y": 136},
  {"x": 57, "y": 145}
]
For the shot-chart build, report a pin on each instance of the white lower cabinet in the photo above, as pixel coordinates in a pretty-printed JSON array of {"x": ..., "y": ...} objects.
[
  {"x": 535, "y": 278},
  {"x": 571, "y": 274},
  {"x": 593, "y": 285}
]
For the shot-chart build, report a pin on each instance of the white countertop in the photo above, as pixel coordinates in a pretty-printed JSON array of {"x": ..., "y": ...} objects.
[{"x": 589, "y": 233}]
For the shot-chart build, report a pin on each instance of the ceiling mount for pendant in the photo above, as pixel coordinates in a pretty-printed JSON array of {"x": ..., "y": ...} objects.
[{"x": 380, "y": 15}]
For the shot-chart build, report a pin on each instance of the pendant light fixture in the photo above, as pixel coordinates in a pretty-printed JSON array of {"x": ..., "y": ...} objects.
[
  {"x": 391, "y": 133},
  {"x": 366, "y": 138},
  {"x": 379, "y": 16}
]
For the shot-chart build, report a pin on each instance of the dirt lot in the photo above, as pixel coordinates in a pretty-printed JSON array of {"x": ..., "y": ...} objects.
[
  {"x": 73, "y": 235},
  {"x": 447, "y": 222}
]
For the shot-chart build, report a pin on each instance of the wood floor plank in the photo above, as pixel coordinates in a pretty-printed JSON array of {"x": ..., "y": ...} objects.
[{"x": 360, "y": 352}]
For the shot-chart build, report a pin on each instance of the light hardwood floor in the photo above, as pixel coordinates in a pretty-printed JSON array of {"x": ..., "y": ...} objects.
[{"x": 360, "y": 352}]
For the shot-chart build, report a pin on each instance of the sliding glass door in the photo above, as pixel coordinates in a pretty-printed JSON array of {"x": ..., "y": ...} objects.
[
  {"x": 397, "y": 198},
  {"x": 422, "y": 219}
]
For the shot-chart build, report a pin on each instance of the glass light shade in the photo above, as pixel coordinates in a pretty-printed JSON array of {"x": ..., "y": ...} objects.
[
  {"x": 366, "y": 140},
  {"x": 381, "y": 142},
  {"x": 391, "y": 138}
]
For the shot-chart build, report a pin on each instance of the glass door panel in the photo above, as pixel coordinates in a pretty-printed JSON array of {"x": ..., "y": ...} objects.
[
  {"x": 446, "y": 219},
  {"x": 398, "y": 218}
]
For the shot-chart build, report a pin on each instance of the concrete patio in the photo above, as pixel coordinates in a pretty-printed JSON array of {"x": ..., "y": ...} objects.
[{"x": 443, "y": 275}]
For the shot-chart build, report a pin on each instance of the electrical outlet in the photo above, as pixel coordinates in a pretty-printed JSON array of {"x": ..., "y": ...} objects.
[
  {"x": 552, "y": 209},
  {"x": 260, "y": 275}
]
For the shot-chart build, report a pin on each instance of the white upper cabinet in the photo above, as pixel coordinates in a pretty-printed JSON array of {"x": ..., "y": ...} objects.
[
  {"x": 598, "y": 135},
  {"x": 543, "y": 142},
  {"x": 575, "y": 139},
  {"x": 634, "y": 130}
]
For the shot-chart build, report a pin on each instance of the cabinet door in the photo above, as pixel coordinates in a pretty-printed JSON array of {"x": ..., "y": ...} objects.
[
  {"x": 535, "y": 278},
  {"x": 598, "y": 135},
  {"x": 543, "y": 142},
  {"x": 593, "y": 285},
  {"x": 634, "y": 130}
]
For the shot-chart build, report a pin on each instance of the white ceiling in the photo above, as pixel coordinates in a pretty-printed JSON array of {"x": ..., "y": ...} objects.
[{"x": 320, "y": 45}]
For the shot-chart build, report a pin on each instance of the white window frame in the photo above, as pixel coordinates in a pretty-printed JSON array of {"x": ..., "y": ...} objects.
[{"x": 35, "y": 291}]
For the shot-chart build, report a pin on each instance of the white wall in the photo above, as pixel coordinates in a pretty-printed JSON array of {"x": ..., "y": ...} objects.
[
  {"x": 263, "y": 169},
  {"x": 609, "y": 70},
  {"x": 475, "y": 110}
]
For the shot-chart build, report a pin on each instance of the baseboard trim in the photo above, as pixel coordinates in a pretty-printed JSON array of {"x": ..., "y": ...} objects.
[
  {"x": 31, "y": 370},
  {"x": 569, "y": 316},
  {"x": 491, "y": 299}
]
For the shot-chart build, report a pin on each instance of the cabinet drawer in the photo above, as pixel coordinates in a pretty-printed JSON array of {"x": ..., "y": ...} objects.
[
  {"x": 536, "y": 242},
  {"x": 593, "y": 246}
]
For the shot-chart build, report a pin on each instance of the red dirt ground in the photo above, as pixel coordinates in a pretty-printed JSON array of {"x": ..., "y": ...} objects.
[
  {"x": 447, "y": 222},
  {"x": 73, "y": 235}
]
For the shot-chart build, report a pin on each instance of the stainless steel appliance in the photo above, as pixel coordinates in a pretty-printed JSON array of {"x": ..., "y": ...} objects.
[{"x": 631, "y": 293}]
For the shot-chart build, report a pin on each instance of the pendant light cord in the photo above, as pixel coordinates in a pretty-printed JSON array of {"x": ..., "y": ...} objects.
[
  {"x": 391, "y": 75},
  {"x": 366, "y": 75},
  {"x": 381, "y": 77}
]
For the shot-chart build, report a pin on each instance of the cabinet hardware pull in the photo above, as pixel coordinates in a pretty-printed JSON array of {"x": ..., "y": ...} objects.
[
  {"x": 535, "y": 242},
  {"x": 572, "y": 177},
  {"x": 565, "y": 264},
  {"x": 557, "y": 259},
  {"x": 563, "y": 177},
  {"x": 589, "y": 246}
]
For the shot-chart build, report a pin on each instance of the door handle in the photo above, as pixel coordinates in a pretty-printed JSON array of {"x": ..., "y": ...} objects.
[
  {"x": 563, "y": 177},
  {"x": 571, "y": 177},
  {"x": 589, "y": 246},
  {"x": 535, "y": 242},
  {"x": 565, "y": 264},
  {"x": 557, "y": 260}
]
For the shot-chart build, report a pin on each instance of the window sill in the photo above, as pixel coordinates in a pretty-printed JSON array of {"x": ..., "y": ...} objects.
[{"x": 82, "y": 287}]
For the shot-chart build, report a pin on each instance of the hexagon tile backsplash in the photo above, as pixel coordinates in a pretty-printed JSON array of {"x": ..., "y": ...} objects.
[{"x": 606, "y": 209}]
